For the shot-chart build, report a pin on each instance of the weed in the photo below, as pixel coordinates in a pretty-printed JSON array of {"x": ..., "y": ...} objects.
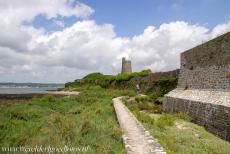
[
  {"x": 61, "y": 126},
  {"x": 144, "y": 117},
  {"x": 116, "y": 134},
  {"x": 85, "y": 127}
]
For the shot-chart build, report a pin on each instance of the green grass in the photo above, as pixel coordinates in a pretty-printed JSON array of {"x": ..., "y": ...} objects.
[
  {"x": 84, "y": 120},
  {"x": 145, "y": 103},
  {"x": 88, "y": 119},
  {"x": 106, "y": 80},
  {"x": 176, "y": 133}
]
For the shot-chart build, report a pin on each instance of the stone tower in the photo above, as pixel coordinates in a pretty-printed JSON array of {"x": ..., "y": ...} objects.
[{"x": 126, "y": 66}]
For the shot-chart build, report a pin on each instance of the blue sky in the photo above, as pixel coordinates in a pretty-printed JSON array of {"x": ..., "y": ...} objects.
[
  {"x": 131, "y": 17},
  {"x": 63, "y": 40}
]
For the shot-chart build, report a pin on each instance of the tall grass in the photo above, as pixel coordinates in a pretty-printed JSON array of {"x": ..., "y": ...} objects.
[{"x": 84, "y": 120}]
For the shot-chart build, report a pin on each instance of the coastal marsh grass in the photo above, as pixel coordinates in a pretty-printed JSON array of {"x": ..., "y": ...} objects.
[
  {"x": 87, "y": 119},
  {"x": 175, "y": 132}
]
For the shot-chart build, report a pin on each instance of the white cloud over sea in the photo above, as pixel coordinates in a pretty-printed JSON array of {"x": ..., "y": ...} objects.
[{"x": 31, "y": 54}]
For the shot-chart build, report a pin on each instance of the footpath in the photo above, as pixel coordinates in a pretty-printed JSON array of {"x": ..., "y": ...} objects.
[{"x": 136, "y": 139}]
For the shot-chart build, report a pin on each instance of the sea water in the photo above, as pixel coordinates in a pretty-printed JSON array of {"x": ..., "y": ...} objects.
[{"x": 22, "y": 88}]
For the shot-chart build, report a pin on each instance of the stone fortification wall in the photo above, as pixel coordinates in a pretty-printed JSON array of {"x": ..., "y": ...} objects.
[
  {"x": 203, "y": 89},
  {"x": 207, "y": 66},
  {"x": 157, "y": 75},
  {"x": 210, "y": 109}
]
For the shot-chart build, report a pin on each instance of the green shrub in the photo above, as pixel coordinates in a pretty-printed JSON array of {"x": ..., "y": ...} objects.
[
  {"x": 165, "y": 120},
  {"x": 165, "y": 85},
  {"x": 49, "y": 98},
  {"x": 144, "y": 99},
  {"x": 129, "y": 76},
  {"x": 105, "y": 81},
  {"x": 116, "y": 134},
  {"x": 134, "y": 107},
  {"x": 145, "y": 118}
]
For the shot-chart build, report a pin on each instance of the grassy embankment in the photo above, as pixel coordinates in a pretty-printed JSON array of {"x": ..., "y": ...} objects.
[
  {"x": 84, "y": 120},
  {"x": 175, "y": 132}
]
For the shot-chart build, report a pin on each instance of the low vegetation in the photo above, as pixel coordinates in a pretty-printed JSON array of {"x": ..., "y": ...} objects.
[
  {"x": 175, "y": 132},
  {"x": 88, "y": 119},
  {"x": 106, "y": 80},
  {"x": 84, "y": 120}
]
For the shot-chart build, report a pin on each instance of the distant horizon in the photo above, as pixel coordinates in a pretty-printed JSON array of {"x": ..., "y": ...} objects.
[
  {"x": 29, "y": 83},
  {"x": 74, "y": 79}
]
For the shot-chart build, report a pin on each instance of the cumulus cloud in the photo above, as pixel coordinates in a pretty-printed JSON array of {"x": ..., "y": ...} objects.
[
  {"x": 221, "y": 29},
  {"x": 26, "y": 10},
  {"x": 30, "y": 54}
]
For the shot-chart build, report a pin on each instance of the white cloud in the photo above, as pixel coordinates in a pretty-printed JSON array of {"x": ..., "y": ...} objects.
[
  {"x": 30, "y": 54},
  {"x": 221, "y": 29},
  {"x": 59, "y": 23},
  {"x": 26, "y": 10}
]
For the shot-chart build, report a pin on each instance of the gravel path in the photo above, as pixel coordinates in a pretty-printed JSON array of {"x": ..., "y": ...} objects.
[{"x": 136, "y": 139}]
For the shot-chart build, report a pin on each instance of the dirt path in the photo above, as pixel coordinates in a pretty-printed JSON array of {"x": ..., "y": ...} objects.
[
  {"x": 66, "y": 93},
  {"x": 136, "y": 139}
]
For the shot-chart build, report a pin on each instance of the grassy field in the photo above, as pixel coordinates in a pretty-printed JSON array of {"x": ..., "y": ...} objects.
[
  {"x": 86, "y": 120},
  {"x": 175, "y": 132}
]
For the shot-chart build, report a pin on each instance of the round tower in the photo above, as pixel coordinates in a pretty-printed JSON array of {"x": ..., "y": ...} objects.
[{"x": 126, "y": 66}]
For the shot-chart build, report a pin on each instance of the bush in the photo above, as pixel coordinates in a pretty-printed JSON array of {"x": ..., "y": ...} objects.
[
  {"x": 165, "y": 120},
  {"x": 129, "y": 76},
  {"x": 144, "y": 117},
  {"x": 116, "y": 133},
  {"x": 165, "y": 85},
  {"x": 49, "y": 98}
]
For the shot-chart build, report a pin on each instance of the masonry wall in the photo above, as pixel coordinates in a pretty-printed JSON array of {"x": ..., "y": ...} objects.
[
  {"x": 207, "y": 66},
  {"x": 203, "y": 89},
  {"x": 215, "y": 118}
]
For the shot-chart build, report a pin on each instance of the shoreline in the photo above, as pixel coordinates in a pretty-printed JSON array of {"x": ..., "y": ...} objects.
[{"x": 15, "y": 98}]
